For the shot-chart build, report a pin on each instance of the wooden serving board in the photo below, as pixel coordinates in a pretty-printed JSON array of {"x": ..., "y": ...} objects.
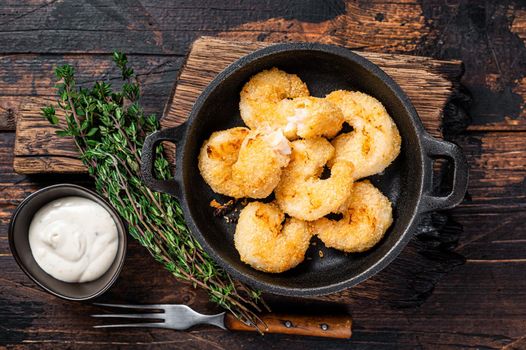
[{"x": 428, "y": 82}]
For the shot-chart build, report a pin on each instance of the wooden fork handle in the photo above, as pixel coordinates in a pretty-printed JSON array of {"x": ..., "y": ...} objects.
[{"x": 316, "y": 326}]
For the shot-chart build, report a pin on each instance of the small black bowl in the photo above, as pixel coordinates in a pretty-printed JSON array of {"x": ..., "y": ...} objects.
[{"x": 19, "y": 244}]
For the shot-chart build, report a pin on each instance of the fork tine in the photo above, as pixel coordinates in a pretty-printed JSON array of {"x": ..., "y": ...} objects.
[
  {"x": 128, "y": 306},
  {"x": 159, "y": 316},
  {"x": 131, "y": 325}
]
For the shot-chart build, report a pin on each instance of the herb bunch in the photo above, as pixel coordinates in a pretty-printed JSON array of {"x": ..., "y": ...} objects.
[{"x": 109, "y": 128}]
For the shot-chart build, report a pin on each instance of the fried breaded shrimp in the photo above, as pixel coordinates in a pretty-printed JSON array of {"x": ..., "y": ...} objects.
[
  {"x": 363, "y": 224},
  {"x": 301, "y": 192},
  {"x": 309, "y": 117},
  {"x": 266, "y": 242},
  {"x": 375, "y": 141},
  {"x": 262, "y": 157},
  {"x": 263, "y": 91},
  {"x": 216, "y": 158}
]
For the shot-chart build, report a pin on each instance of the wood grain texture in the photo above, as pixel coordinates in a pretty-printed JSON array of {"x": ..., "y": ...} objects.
[
  {"x": 489, "y": 37},
  {"x": 42, "y": 148},
  {"x": 8, "y": 110},
  {"x": 497, "y": 164},
  {"x": 325, "y": 326},
  {"x": 23, "y": 77},
  {"x": 167, "y": 28},
  {"x": 378, "y": 26},
  {"x": 480, "y": 304},
  {"x": 429, "y": 83}
]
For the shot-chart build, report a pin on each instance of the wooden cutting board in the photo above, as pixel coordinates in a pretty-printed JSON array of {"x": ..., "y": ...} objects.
[{"x": 428, "y": 82}]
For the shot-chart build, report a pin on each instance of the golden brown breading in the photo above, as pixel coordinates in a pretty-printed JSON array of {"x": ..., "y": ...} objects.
[
  {"x": 261, "y": 159},
  {"x": 266, "y": 243},
  {"x": 216, "y": 158},
  {"x": 260, "y": 95},
  {"x": 375, "y": 141},
  {"x": 363, "y": 224},
  {"x": 309, "y": 117},
  {"x": 301, "y": 192}
]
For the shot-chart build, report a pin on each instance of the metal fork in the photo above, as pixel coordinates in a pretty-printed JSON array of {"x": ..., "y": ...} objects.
[
  {"x": 172, "y": 316},
  {"x": 181, "y": 317}
]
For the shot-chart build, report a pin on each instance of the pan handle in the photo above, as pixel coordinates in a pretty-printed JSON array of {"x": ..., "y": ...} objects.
[
  {"x": 174, "y": 135},
  {"x": 435, "y": 147}
]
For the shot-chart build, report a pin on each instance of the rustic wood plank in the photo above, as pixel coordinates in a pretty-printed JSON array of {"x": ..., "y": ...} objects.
[
  {"x": 8, "y": 110},
  {"x": 382, "y": 26},
  {"x": 489, "y": 38},
  {"x": 477, "y": 305},
  {"x": 158, "y": 27},
  {"x": 428, "y": 82},
  {"x": 42, "y": 148},
  {"x": 33, "y": 75},
  {"x": 497, "y": 162},
  {"x": 25, "y": 76}
]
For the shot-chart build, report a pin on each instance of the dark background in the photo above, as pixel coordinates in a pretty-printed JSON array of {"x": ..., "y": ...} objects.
[{"x": 464, "y": 287}]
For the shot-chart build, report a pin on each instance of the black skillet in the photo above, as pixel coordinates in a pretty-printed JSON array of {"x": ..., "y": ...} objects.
[{"x": 407, "y": 182}]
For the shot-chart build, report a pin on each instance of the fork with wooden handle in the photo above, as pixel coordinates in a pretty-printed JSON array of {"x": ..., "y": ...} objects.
[{"x": 181, "y": 317}]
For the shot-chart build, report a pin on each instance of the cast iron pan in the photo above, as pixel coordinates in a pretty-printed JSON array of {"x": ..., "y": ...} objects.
[{"x": 407, "y": 182}]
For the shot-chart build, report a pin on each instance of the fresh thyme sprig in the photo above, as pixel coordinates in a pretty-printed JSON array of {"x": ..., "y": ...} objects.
[{"x": 109, "y": 128}]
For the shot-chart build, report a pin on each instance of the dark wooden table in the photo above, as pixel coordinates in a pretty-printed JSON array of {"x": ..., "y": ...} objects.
[{"x": 470, "y": 293}]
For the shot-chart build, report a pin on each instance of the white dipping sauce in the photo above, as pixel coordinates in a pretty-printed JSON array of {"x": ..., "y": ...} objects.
[{"x": 74, "y": 239}]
